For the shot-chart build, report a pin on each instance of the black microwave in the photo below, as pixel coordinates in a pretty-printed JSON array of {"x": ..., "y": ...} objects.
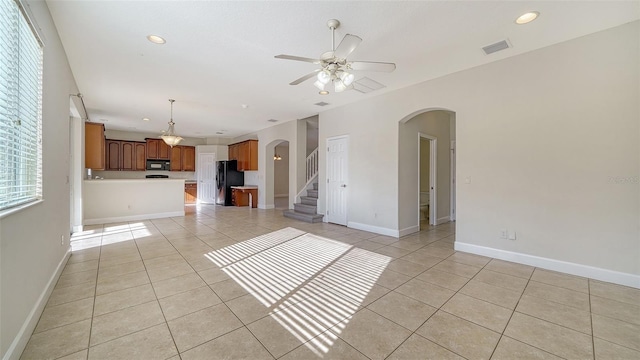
[{"x": 158, "y": 165}]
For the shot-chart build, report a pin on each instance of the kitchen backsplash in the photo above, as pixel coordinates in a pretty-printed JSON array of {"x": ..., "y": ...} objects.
[
  {"x": 188, "y": 175},
  {"x": 251, "y": 178}
]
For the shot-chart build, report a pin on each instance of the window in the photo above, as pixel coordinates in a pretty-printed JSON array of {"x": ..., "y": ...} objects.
[{"x": 20, "y": 108}]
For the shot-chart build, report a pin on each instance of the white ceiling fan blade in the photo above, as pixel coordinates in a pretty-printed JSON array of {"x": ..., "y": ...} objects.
[
  {"x": 305, "y": 78},
  {"x": 372, "y": 66},
  {"x": 347, "y": 45},
  {"x": 298, "y": 58}
]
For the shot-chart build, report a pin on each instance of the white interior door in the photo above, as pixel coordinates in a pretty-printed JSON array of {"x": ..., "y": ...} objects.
[
  {"x": 337, "y": 179},
  {"x": 206, "y": 178}
]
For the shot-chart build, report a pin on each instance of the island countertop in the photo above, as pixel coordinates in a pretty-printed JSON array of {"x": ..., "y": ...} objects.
[{"x": 246, "y": 187}]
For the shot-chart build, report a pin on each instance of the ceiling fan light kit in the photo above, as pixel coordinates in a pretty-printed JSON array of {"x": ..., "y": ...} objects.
[{"x": 334, "y": 67}]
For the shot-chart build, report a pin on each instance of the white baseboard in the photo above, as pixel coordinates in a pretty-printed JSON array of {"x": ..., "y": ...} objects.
[
  {"x": 409, "y": 230},
  {"x": 133, "y": 218},
  {"x": 442, "y": 220},
  {"x": 266, "y": 207},
  {"x": 22, "y": 338},
  {"x": 592, "y": 272},
  {"x": 373, "y": 229}
]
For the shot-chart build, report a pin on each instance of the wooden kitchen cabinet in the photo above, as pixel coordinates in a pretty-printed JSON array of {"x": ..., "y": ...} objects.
[
  {"x": 190, "y": 193},
  {"x": 240, "y": 197},
  {"x": 188, "y": 158},
  {"x": 140, "y": 163},
  {"x": 113, "y": 155},
  {"x": 246, "y": 153},
  {"x": 157, "y": 149},
  {"x": 94, "y": 146},
  {"x": 176, "y": 158},
  {"x": 183, "y": 158},
  {"x": 125, "y": 155}
]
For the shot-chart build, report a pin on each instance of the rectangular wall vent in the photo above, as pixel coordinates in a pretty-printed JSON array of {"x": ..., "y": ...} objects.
[
  {"x": 500, "y": 45},
  {"x": 321, "y": 103},
  {"x": 366, "y": 85}
]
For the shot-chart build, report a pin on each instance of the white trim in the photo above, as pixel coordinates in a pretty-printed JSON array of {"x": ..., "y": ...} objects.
[
  {"x": 133, "y": 218},
  {"x": 15, "y": 209},
  {"x": 20, "y": 341},
  {"x": 452, "y": 189},
  {"x": 433, "y": 177},
  {"x": 373, "y": 229},
  {"x": 592, "y": 272},
  {"x": 443, "y": 220},
  {"x": 409, "y": 230},
  {"x": 266, "y": 207}
]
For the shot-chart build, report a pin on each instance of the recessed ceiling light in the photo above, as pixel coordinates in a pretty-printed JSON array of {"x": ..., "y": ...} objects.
[
  {"x": 156, "y": 39},
  {"x": 245, "y": 106},
  {"x": 324, "y": 92},
  {"x": 145, "y": 119},
  {"x": 527, "y": 17}
]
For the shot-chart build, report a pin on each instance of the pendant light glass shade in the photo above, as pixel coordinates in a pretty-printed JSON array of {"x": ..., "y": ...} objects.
[
  {"x": 324, "y": 77},
  {"x": 339, "y": 86},
  {"x": 170, "y": 137},
  {"x": 319, "y": 85},
  {"x": 347, "y": 78}
]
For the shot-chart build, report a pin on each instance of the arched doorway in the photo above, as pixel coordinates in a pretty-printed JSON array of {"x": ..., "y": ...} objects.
[
  {"x": 422, "y": 184},
  {"x": 277, "y": 175}
]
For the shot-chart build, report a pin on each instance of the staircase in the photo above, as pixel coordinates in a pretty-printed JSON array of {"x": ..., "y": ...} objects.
[{"x": 307, "y": 209}]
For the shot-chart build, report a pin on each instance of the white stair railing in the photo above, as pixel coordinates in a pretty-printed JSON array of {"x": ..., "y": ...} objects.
[
  {"x": 311, "y": 172},
  {"x": 312, "y": 165}
]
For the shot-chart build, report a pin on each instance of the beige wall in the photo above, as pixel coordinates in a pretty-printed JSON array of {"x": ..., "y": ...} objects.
[
  {"x": 31, "y": 255},
  {"x": 559, "y": 198}
]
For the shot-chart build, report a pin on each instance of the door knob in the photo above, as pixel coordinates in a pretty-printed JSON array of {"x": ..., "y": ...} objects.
[{"x": 343, "y": 185}]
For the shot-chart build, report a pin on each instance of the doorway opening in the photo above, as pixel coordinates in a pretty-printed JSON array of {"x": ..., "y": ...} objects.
[
  {"x": 426, "y": 170},
  {"x": 281, "y": 175}
]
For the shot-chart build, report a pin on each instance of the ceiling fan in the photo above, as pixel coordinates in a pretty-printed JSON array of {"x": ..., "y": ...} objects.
[{"x": 334, "y": 66}]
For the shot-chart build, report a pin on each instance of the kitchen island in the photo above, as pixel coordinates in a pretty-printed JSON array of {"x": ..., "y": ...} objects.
[
  {"x": 240, "y": 195},
  {"x": 107, "y": 201}
]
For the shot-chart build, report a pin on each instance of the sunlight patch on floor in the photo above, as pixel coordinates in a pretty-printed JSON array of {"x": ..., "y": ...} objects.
[{"x": 310, "y": 284}]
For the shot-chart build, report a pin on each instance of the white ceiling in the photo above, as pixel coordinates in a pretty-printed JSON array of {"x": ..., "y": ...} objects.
[{"x": 220, "y": 55}]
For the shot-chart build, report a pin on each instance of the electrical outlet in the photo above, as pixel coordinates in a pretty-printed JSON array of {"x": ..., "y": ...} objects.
[
  {"x": 512, "y": 235},
  {"x": 504, "y": 234}
]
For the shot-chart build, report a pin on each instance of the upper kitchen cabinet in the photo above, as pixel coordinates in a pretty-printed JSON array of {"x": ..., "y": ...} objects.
[
  {"x": 188, "y": 158},
  {"x": 157, "y": 149},
  {"x": 246, "y": 153},
  {"x": 183, "y": 158},
  {"x": 126, "y": 155},
  {"x": 94, "y": 146}
]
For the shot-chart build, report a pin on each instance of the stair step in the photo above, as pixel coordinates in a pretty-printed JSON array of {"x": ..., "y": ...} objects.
[
  {"x": 312, "y": 193},
  {"x": 315, "y": 186},
  {"x": 307, "y": 200},
  {"x": 307, "y": 209},
  {"x": 310, "y": 218}
]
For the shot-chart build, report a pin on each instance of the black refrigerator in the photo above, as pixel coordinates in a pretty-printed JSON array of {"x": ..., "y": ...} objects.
[{"x": 227, "y": 176}]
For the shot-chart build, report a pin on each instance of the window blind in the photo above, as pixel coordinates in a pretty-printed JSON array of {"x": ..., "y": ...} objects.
[{"x": 20, "y": 108}]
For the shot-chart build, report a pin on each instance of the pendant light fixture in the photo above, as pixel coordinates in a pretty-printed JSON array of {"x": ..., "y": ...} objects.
[{"x": 169, "y": 136}]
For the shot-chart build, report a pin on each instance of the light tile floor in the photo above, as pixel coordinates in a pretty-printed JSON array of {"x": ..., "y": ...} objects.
[{"x": 236, "y": 283}]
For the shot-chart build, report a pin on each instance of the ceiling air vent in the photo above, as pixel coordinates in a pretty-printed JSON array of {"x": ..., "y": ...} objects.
[
  {"x": 272, "y": 120},
  {"x": 500, "y": 45},
  {"x": 321, "y": 103},
  {"x": 366, "y": 85}
]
